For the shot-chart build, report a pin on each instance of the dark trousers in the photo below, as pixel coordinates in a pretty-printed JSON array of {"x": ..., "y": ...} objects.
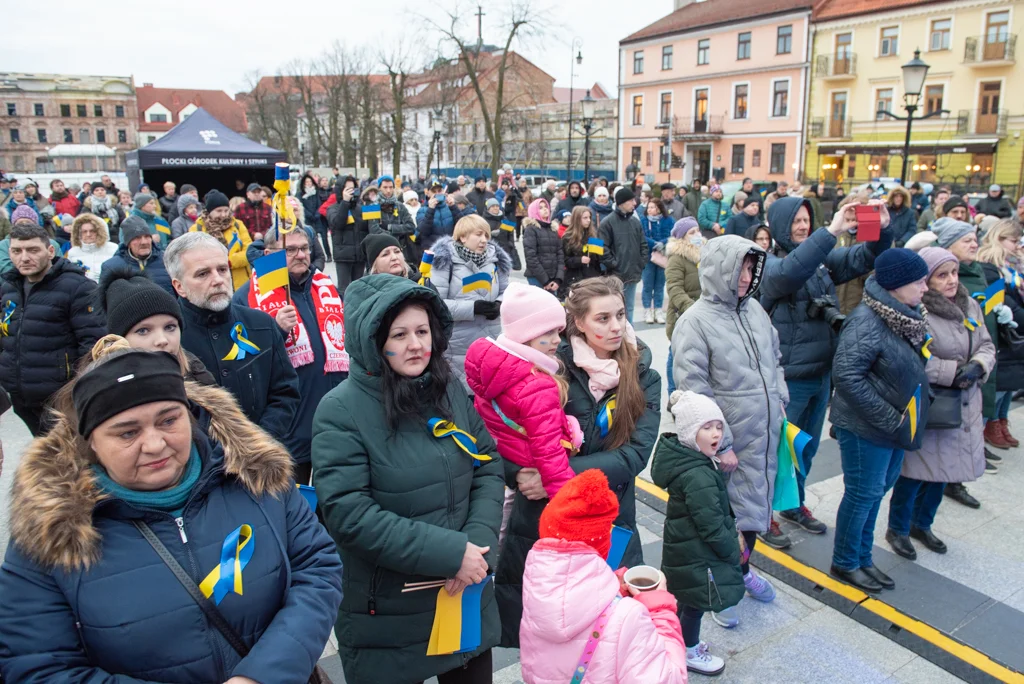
[
  {"x": 749, "y": 539},
  {"x": 690, "y": 619},
  {"x": 914, "y": 503},
  {"x": 325, "y": 239},
  {"x": 347, "y": 272},
  {"x": 479, "y": 670},
  {"x": 35, "y": 418}
]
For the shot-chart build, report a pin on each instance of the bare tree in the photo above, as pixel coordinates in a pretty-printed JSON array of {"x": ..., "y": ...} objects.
[
  {"x": 301, "y": 77},
  {"x": 339, "y": 70},
  {"x": 273, "y": 113},
  {"x": 442, "y": 95},
  {"x": 397, "y": 64}
]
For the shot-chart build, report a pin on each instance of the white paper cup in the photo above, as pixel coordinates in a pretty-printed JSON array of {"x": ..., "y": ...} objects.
[{"x": 642, "y": 578}]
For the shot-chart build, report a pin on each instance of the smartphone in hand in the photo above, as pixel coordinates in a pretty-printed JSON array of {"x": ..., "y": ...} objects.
[{"x": 869, "y": 222}]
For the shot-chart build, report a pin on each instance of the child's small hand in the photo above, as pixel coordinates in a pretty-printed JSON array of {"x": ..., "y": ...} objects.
[{"x": 729, "y": 461}]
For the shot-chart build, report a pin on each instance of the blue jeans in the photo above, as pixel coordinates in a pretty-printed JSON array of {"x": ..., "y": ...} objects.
[
  {"x": 808, "y": 401},
  {"x": 669, "y": 377},
  {"x": 1003, "y": 401},
  {"x": 534, "y": 282},
  {"x": 914, "y": 502},
  {"x": 869, "y": 471},
  {"x": 629, "y": 292},
  {"x": 653, "y": 279}
]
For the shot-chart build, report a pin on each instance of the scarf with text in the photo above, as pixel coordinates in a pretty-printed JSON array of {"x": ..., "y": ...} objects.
[{"x": 330, "y": 319}]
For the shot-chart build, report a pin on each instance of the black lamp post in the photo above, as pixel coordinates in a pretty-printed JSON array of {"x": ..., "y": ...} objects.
[
  {"x": 588, "y": 123},
  {"x": 914, "y": 74},
  {"x": 577, "y": 43},
  {"x": 438, "y": 129}
]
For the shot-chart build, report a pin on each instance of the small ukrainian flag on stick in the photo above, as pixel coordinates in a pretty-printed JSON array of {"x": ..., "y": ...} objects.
[{"x": 594, "y": 246}]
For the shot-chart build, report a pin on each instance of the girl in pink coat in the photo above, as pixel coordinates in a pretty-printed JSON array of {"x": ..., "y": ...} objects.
[
  {"x": 517, "y": 389},
  {"x": 576, "y": 612}
]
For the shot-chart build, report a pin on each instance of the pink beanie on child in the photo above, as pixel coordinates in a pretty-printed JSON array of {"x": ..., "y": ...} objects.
[{"x": 527, "y": 312}]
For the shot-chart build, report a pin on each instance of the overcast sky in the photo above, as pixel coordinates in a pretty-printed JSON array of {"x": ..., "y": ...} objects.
[{"x": 214, "y": 43}]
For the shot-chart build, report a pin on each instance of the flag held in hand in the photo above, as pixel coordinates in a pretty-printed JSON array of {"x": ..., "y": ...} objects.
[
  {"x": 457, "y": 619},
  {"x": 594, "y": 246},
  {"x": 271, "y": 271}
]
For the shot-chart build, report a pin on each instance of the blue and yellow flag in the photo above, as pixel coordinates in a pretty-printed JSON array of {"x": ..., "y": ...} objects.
[
  {"x": 797, "y": 440},
  {"x": 914, "y": 411},
  {"x": 620, "y": 540},
  {"x": 426, "y": 267},
  {"x": 477, "y": 281},
  {"x": 235, "y": 554},
  {"x": 992, "y": 297},
  {"x": 445, "y": 428},
  {"x": 6, "y": 322},
  {"x": 271, "y": 271},
  {"x": 508, "y": 225},
  {"x": 371, "y": 212},
  {"x": 1012, "y": 277},
  {"x": 234, "y": 241},
  {"x": 242, "y": 346},
  {"x": 605, "y": 417},
  {"x": 594, "y": 246},
  {"x": 456, "y": 627},
  {"x": 163, "y": 227},
  {"x": 284, "y": 215},
  {"x": 925, "y": 351},
  {"x": 970, "y": 324}
]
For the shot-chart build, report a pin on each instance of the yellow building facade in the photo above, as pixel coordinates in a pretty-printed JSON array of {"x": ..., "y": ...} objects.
[{"x": 859, "y": 47}]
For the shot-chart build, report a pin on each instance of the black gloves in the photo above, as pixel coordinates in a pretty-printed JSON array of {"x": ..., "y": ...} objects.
[
  {"x": 968, "y": 374},
  {"x": 489, "y": 310}
]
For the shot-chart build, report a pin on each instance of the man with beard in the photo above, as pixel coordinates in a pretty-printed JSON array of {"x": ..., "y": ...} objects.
[
  {"x": 395, "y": 218},
  {"x": 63, "y": 201},
  {"x": 138, "y": 252},
  {"x": 242, "y": 347},
  {"x": 311, "y": 317},
  {"x": 217, "y": 221},
  {"x": 573, "y": 198},
  {"x": 105, "y": 206},
  {"x": 254, "y": 212}
]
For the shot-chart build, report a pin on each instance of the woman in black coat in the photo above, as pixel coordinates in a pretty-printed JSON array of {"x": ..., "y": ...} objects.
[
  {"x": 348, "y": 229},
  {"x": 580, "y": 261}
]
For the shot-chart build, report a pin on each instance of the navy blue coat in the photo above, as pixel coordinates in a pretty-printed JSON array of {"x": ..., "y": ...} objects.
[
  {"x": 740, "y": 224},
  {"x": 125, "y": 617},
  {"x": 903, "y": 224},
  {"x": 153, "y": 265},
  {"x": 265, "y": 385},
  {"x": 795, "y": 275},
  {"x": 313, "y": 381},
  {"x": 48, "y": 333},
  {"x": 432, "y": 224},
  {"x": 875, "y": 374}
]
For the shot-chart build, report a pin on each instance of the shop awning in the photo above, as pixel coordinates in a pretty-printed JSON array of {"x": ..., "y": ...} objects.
[
  {"x": 972, "y": 146},
  {"x": 83, "y": 150}
]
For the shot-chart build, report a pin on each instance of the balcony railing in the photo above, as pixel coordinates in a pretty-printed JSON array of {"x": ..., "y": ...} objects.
[
  {"x": 981, "y": 122},
  {"x": 836, "y": 66},
  {"x": 825, "y": 127},
  {"x": 695, "y": 127},
  {"x": 994, "y": 50}
]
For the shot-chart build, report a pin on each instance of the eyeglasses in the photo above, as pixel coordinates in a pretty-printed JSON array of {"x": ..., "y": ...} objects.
[{"x": 293, "y": 251}]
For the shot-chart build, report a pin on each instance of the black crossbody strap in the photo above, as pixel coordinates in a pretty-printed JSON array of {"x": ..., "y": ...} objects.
[{"x": 208, "y": 608}]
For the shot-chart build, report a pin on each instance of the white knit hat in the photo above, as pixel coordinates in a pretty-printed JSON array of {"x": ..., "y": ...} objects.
[{"x": 692, "y": 411}]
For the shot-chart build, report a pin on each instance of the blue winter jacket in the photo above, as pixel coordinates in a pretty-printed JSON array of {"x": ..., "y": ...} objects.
[
  {"x": 657, "y": 231},
  {"x": 903, "y": 224},
  {"x": 153, "y": 266},
  {"x": 84, "y": 598},
  {"x": 432, "y": 224},
  {"x": 12, "y": 205},
  {"x": 796, "y": 274}
]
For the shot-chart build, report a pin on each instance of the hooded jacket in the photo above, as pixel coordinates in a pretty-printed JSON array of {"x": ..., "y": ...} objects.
[
  {"x": 995, "y": 206},
  {"x": 401, "y": 505},
  {"x": 49, "y": 331},
  {"x": 568, "y": 203},
  {"x": 543, "y": 249},
  {"x": 88, "y": 599},
  {"x": 448, "y": 273},
  {"x": 90, "y": 257},
  {"x": 153, "y": 265},
  {"x": 236, "y": 239},
  {"x": 797, "y": 274},
  {"x": 902, "y": 221},
  {"x": 181, "y": 222},
  {"x": 310, "y": 203},
  {"x": 725, "y": 348},
  {"x": 682, "y": 282},
  {"x": 566, "y": 586},
  {"x": 625, "y": 247},
  {"x": 348, "y": 229},
  {"x": 701, "y": 552}
]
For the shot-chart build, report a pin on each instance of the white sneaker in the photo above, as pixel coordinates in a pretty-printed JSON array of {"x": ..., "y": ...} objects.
[
  {"x": 700, "y": 661},
  {"x": 649, "y": 316},
  {"x": 726, "y": 618},
  {"x": 659, "y": 316},
  {"x": 758, "y": 587}
]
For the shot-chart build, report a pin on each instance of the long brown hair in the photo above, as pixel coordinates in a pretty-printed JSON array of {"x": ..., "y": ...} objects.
[
  {"x": 630, "y": 402},
  {"x": 576, "y": 234}
]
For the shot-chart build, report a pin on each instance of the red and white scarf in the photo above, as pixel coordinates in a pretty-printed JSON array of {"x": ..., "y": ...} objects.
[{"x": 330, "y": 319}]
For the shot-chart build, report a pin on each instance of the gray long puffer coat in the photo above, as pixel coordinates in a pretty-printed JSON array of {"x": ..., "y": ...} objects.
[
  {"x": 726, "y": 348},
  {"x": 953, "y": 455},
  {"x": 447, "y": 276}
]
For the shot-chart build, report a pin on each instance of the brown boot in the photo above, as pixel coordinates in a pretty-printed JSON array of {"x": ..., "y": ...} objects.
[
  {"x": 994, "y": 436},
  {"x": 1004, "y": 427}
]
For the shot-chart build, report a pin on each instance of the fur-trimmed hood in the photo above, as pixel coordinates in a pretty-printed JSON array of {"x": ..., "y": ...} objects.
[
  {"x": 55, "y": 491},
  {"x": 444, "y": 255},
  {"x": 684, "y": 248},
  {"x": 102, "y": 234}
]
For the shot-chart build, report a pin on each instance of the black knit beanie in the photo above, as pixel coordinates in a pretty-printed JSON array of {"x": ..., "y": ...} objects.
[
  {"x": 373, "y": 245},
  {"x": 128, "y": 297},
  {"x": 216, "y": 198}
]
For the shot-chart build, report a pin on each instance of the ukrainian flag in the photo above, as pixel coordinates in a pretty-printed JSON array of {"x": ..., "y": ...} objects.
[
  {"x": 797, "y": 440},
  {"x": 426, "y": 266},
  {"x": 477, "y": 281},
  {"x": 508, "y": 225},
  {"x": 371, "y": 212},
  {"x": 992, "y": 297},
  {"x": 456, "y": 627},
  {"x": 914, "y": 411},
  {"x": 271, "y": 271},
  {"x": 594, "y": 246}
]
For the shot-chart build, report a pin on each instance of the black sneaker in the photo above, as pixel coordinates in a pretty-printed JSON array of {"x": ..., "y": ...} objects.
[
  {"x": 802, "y": 517},
  {"x": 989, "y": 456},
  {"x": 990, "y": 468},
  {"x": 775, "y": 537},
  {"x": 959, "y": 493}
]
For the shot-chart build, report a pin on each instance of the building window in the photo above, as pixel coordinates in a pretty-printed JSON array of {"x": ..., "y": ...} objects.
[
  {"x": 941, "y": 29},
  {"x": 666, "y": 58},
  {"x": 780, "y": 98},
  {"x": 97, "y": 110},
  {"x": 119, "y": 111},
  {"x": 150, "y": 139},
  {"x": 778, "y": 158},
  {"x": 65, "y": 110},
  {"x": 784, "y": 40},
  {"x": 638, "y": 62},
  {"x": 933, "y": 98},
  {"x": 890, "y": 41},
  {"x": 83, "y": 136},
  {"x": 101, "y": 135},
  {"x": 634, "y": 155},
  {"x": 15, "y": 135},
  {"x": 648, "y": 158},
  {"x": 739, "y": 152},
  {"x": 703, "y": 50},
  {"x": 739, "y": 108},
  {"x": 38, "y": 109},
  {"x": 41, "y": 134},
  {"x": 638, "y": 111},
  {"x": 162, "y": 118},
  {"x": 12, "y": 109},
  {"x": 662, "y": 159},
  {"x": 883, "y": 104},
  {"x": 69, "y": 136},
  {"x": 755, "y": 159},
  {"x": 666, "y": 108},
  {"x": 743, "y": 46},
  {"x": 19, "y": 162},
  {"x": 80, "y": 110}
]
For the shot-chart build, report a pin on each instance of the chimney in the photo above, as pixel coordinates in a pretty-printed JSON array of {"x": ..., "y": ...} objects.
[{"x": 147, "y": 85}]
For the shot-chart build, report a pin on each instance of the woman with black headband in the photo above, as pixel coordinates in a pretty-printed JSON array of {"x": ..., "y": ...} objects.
[{"x": 144, "y": 547}]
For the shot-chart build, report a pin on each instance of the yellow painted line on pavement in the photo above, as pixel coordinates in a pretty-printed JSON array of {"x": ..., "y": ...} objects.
[{"x": 922, "y": 630}]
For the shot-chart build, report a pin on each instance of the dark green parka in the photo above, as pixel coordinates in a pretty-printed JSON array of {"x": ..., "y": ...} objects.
[
  {"x": 400, "y": 506},
  {"x": 701, "y": 553}
]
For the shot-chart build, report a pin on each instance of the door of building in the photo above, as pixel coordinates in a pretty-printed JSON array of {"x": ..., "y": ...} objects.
[
  {"x": 997, "y": 32},
  {"x": 700, "y": 111},
  {"x": 837, "y": 122},
  {"x": 844, "y": 54},
  {"x": 988, "y": 107}
]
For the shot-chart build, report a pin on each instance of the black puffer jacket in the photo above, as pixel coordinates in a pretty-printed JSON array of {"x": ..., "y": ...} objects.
[
  {"x": 575, "y": 269},
  {"x": 1011, "y": 369},
  {"x": 543, "y": 250},
  {"x": 875, "y": 373},
  {"x": 347, "y": 229},
  {"x": 625, "y": 247},
  {"x": 995, "y": 206},
  {"x": 48, "y": 332},
  {"x": 310, "y": 204}
]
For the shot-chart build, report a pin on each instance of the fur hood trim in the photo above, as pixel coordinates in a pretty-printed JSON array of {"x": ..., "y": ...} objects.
[
  {"x": 683, "y": 248},
  {"x": 444, "y": 255},
  {"x": 955, "y": 310},
  {"x": 55, "y": 491},
  {"x": 102, "y": 234}
]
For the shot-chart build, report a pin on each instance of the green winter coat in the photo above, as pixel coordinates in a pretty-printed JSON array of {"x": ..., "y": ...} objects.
[
  {"x": 400, "y": 506},
  {"x": 973, "y": 278},
  {"x": 692, "y": 201},
  {"x": 701, "y": 553},
  {"x": 681, "y": 280},
  {"x": 711, "y": 211}
]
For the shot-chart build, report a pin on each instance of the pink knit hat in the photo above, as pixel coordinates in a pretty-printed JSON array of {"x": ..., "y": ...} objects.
[
  {"x": 935, "y": 257},
  {"x": 527, "y": 312},
  {"x": 23, "y": 211}
]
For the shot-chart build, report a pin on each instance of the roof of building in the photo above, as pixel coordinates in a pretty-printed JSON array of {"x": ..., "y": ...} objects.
[
  {"x": 716, "y": 12},
  {"x": 217, "y": 102},
  {"x": 837, "y": 9},
  {"x": 65, "y": 82},
  {"x": 596, "y": 92}
]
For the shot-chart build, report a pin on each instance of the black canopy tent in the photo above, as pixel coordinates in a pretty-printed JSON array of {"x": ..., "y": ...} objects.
[{"x": 204, "y": 152}]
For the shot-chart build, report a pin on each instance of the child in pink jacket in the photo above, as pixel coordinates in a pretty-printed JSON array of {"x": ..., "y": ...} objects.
[
  {"x": 570, "y": 594},
  {"x": 517, "y": 391}
]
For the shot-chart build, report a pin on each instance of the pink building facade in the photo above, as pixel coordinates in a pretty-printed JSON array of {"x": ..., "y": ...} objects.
[{"x": 716, "y": 90}]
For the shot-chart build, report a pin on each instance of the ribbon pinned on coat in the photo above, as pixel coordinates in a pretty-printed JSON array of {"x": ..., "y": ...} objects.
[
  {"x": 465, "y": 441},
  {"x": 235, "y": 554},
  {"x": 242, "y": 346}
]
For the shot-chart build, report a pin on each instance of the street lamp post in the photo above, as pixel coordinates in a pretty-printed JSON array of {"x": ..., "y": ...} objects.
[
  {"x": 577, "y": 43},
  {"x": 588, "y": 123},
  {"x": 438, "y": 129},
  {"x": 914, "y": 74}
]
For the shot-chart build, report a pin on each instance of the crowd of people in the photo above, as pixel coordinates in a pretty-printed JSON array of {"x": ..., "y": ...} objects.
[{"x": 467, "y": 434}]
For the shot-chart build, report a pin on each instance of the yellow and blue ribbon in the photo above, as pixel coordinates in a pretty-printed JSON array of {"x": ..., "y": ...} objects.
[
  {"x": 513, "y": 425},
  {"x": 914, "y": 411},
  {"x": 970, "y": 324},
  {"x": 235, "y": 554},
  {"x": 441, "y": 428},
  {"x": 242, "y": 346},
  {"x": 992, "y": 297},
  {"x": 284, "y": 215},
  {"x": 1012, "y": 277},
  {"x": 234, "y": 241},
  {"x": 605, "y": 417},
  {"x": 925, "y": 352},
  {"x": 6, "y": 322}
]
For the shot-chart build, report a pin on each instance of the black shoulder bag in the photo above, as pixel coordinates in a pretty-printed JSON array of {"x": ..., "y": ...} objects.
[{"x": 209, "y": 609}]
